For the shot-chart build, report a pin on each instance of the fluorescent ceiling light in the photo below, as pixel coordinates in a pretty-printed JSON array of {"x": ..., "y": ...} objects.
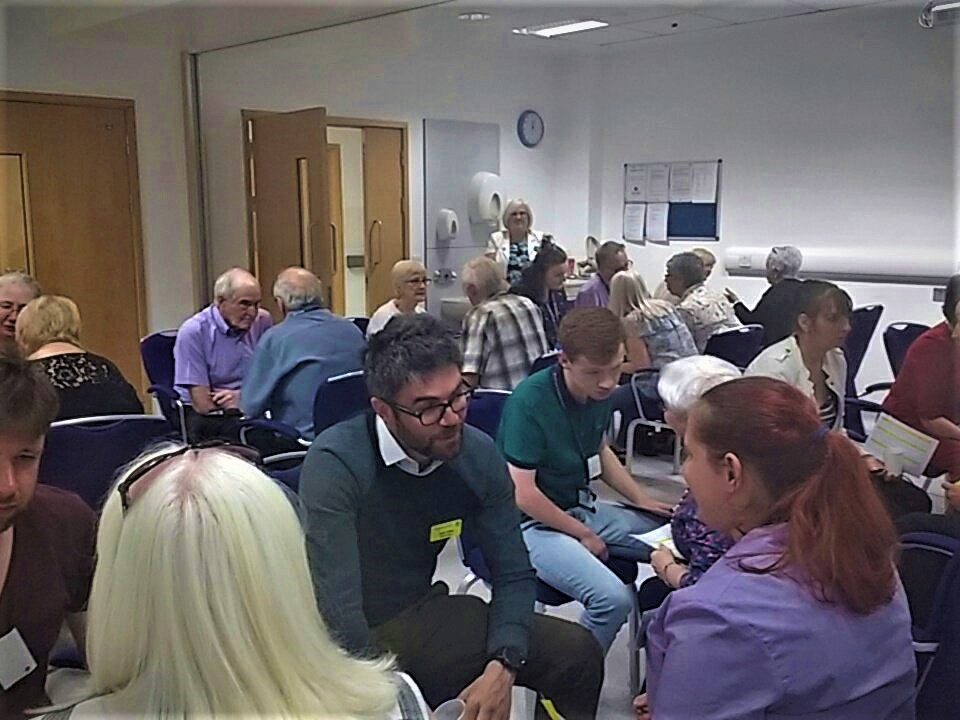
[
  {"x": 561, "y": 28},
  {"x": 473, "y": 16},
  {"x": 929, "y": 11}
]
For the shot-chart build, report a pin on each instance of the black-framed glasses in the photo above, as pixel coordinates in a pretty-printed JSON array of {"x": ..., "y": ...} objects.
[
  {"x": 433, "y": 414},
  {"x": 419, "y": 281},
  {"x": 245, "y": 452}
]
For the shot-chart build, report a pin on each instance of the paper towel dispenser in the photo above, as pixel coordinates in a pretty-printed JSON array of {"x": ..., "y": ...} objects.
[
  {"x": 485, "y": 201},
  {"x": 447, "y": 225}
]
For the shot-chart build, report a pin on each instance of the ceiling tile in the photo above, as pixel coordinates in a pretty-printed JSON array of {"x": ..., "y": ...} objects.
[
  {"x": 677, "y": 24},
  {"x": 746, "y": 11}
]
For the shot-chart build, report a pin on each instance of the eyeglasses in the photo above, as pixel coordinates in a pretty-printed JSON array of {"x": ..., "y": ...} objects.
[
  {"x": 433, "y": 414},
  {"x": 419, "y": 281},
  {"x": 244, "y": 452}
]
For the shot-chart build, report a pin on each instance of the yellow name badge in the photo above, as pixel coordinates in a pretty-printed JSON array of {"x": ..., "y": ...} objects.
[{"x": 446, "y": 530}]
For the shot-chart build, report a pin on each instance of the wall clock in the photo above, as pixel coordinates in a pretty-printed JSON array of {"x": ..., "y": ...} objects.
[{"x": 530, "y": 128}]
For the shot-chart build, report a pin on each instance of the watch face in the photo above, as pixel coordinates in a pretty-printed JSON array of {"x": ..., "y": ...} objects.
[{"x": 530, "y": 128}]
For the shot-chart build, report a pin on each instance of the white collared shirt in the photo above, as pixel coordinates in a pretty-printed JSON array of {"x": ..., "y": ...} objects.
[{"x": 393, "y": 454}]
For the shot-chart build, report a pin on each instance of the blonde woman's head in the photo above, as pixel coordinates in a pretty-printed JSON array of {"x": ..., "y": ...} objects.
[
  {"x": 517, "y": 218},
  {"x": 47, "y": 319},
  {"x": 410, "y": 281},
  {"x": 629, "y": 293},
  {"x": 202, "y": 602}
]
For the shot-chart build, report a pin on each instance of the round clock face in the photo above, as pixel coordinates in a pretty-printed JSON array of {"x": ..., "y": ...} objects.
[{"x": 530, "y": 128}]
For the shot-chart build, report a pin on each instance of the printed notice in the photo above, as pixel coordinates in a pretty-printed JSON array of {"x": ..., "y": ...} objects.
[
  {"x": 657, "y": 214},
  {"x": 635, "y": 183},
  {"x": 891, "y": 439},
  {"x": 681, "y": 182},
  {"x": 634, "y": 215},
  {"x": 704, "y": 182},
  {"x": 658, "y": 182}
]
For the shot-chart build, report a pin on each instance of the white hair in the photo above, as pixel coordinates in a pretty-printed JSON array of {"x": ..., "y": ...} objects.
[
  {"x": 684, "y": 381},
  {"x": 202, "y": 603},
  {"x": 227, "y": 284},
  {"x": 15, "y": 277},
  {"x": 297, "y": 288},
  {"x": 785, "y": 260},
  {"x": 485, "y": 275}
]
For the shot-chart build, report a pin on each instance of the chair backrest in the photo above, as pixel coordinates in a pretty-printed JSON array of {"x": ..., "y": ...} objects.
[
  {"x": 485, "y": 409},
  {"x": 930, "y": 571},
  {"x": 863, "y": 323},
  {"x": 737, "y": 345},
  {"x": 156, "y": 351},
  {"x": 360, "y": 322},
  {"x": 339, "y": 398},
  {"x": 546, "y": 360},
  {"x": 83, "y": 455},
  {"x": 897, "y": 339}
]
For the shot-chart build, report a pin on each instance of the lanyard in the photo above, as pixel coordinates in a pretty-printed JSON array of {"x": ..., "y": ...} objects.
[{"x": 563, "y": 403}]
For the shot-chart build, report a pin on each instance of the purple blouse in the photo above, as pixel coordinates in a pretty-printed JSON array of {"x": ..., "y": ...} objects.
[
  {"x": 700, "y": 545},
  {"x": 761, "y": 646}
]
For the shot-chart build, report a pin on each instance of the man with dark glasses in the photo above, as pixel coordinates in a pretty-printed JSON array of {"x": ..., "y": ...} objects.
[
  {"x": 385, "y": 491},
  {"x": 46, "y": 541}
]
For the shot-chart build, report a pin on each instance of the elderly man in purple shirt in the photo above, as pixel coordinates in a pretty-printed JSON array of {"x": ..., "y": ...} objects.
[
  {"x": 214, "y": 347},
  {"x": 611, "y": 259}
]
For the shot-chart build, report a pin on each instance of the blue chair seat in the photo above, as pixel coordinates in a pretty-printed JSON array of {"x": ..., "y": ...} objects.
[{"x": 83, "y": 455}]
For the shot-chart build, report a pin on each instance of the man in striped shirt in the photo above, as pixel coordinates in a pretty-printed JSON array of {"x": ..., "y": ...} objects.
[{"x": 503, "y": 334}]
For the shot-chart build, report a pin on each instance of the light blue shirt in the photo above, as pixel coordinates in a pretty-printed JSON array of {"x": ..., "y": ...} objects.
[
  {"x": 750, "y": 646},
  {"x": 293, "y": 359}
]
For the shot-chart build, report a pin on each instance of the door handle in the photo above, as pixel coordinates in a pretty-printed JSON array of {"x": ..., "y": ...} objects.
[
  {"x": 376, "y": 248},
  {"x": 333, "y": 243}
]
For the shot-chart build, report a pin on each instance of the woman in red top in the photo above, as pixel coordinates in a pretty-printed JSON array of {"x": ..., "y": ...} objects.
[{"x": 925, "y": 394}]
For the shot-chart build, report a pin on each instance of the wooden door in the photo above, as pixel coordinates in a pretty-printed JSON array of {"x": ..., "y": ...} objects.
[
  {"x": 287, "y": 197},
  {"x": 75, "y": 161},
  {"x": 336, "y": 291},
  {"x": 15, "y": 244},
  {"x": 383, "y": 209}
]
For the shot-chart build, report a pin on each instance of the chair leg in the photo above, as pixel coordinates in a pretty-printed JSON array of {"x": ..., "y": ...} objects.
[{"x": 633, "y": 647}]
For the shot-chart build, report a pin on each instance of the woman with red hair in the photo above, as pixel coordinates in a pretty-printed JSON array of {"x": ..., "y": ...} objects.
[{"x": 804, "y": 616}]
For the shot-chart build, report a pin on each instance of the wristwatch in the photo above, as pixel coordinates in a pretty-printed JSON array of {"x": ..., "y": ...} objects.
[{"x": 511, "y": 658}]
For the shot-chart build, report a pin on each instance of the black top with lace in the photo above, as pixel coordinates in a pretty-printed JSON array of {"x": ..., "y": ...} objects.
[{"x": 89, "y": 385}]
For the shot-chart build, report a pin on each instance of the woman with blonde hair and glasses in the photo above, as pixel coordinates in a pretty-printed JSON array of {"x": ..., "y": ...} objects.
[
  {"x": 202, "y": 604},
  {"x": 410, "y": 283}
]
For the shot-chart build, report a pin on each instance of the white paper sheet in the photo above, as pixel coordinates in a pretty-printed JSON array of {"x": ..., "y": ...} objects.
[
  {"x": 658, "y": 182},
  {"x": 635, "y": 183},
  {"x": 661, "y": 537},
  {"x": 634, "y": 215},
  {"x": 890, "y": 436},
  {"x": 704, "y": 186},
  {"x": 657, "y": 214},
  {"x": 681, "y": 182}
]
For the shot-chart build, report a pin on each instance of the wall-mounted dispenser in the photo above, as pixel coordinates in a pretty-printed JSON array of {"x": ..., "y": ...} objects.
[
  {"x": 485, "y": 200},
  {"x": 447, "y": 225}
]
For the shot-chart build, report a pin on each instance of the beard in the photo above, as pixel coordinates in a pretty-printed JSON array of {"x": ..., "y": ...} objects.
[{"x": 443, "y": 446}]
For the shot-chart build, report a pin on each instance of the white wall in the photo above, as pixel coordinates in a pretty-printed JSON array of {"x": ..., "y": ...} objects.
[
  {"x": 835, "y": 129},
  {"x": 350, "y": 141},
  {"x": 35, "y": 60},
  {"x": 406, "y": 67}
]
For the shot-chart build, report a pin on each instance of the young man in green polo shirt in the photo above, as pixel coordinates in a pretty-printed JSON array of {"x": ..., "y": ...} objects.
[{"x": 552, "y": 435}]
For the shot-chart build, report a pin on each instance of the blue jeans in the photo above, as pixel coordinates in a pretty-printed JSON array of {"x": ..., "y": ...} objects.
[{"x": 564, "y": 563}]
